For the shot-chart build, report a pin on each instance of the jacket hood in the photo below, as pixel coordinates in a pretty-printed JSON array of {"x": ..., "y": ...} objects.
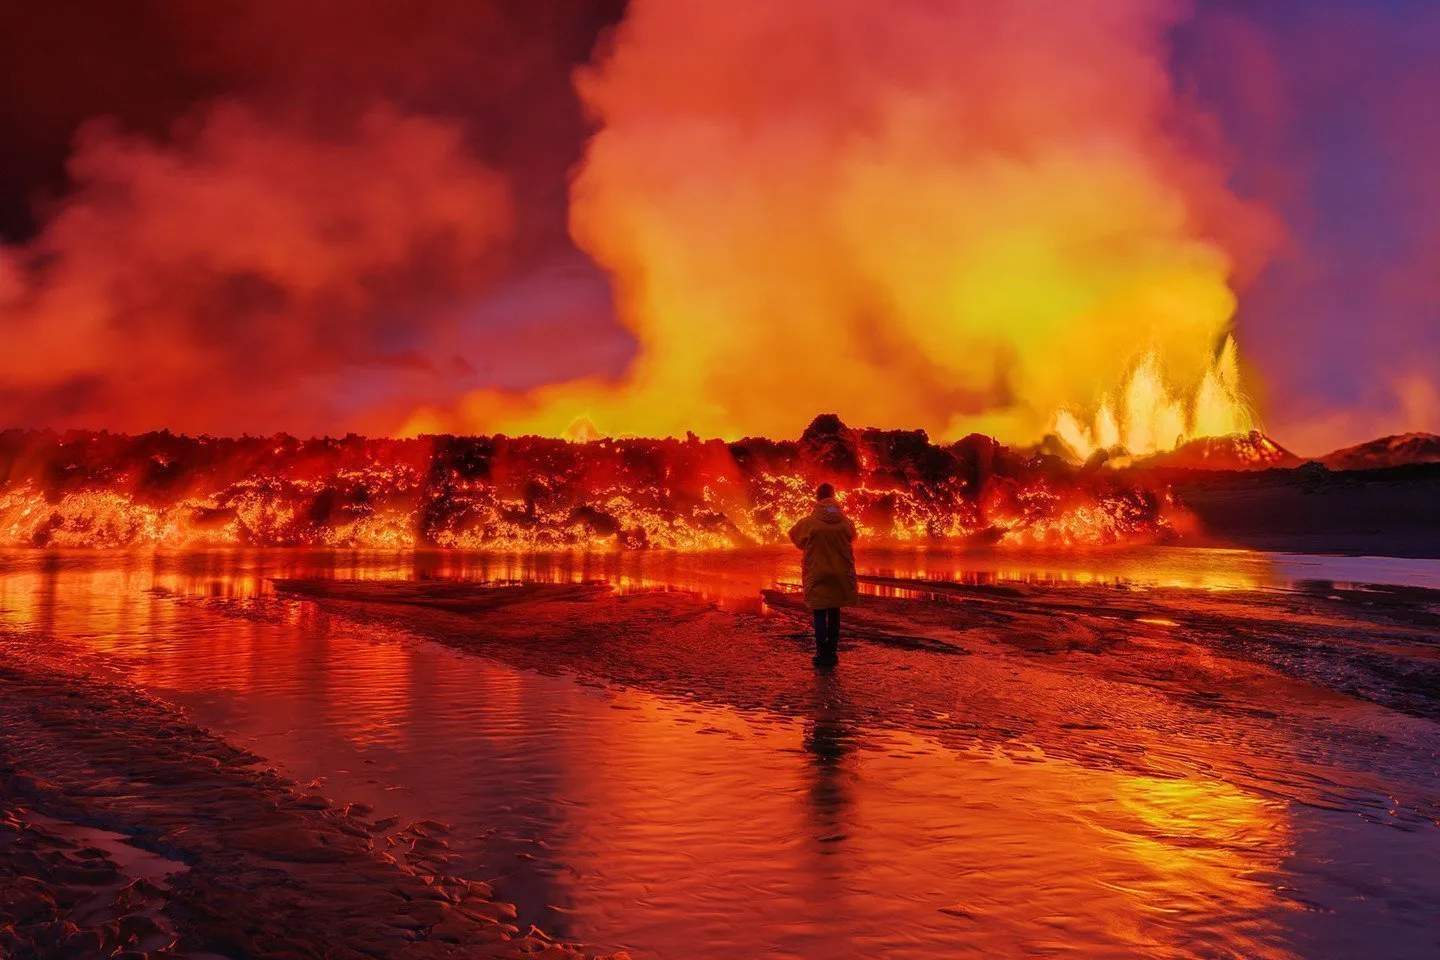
[{"x": 828, "y": 510}]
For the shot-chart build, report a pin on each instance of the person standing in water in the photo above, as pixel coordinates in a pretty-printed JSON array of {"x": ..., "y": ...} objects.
[{"x": 828, "y": 570}]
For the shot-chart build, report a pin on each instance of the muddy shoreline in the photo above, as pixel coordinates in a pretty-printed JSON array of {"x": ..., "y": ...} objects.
[{"x": 126, "y": 830}]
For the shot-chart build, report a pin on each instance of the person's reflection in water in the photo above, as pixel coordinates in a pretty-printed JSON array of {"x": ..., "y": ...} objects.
[{"x": 829, "y": 740}]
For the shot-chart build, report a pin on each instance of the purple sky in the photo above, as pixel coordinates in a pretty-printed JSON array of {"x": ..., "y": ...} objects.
[{"x": 1332, "y": 112}]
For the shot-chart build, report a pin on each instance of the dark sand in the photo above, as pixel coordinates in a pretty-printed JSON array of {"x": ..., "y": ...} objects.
[{"x": 126, "y": 831}]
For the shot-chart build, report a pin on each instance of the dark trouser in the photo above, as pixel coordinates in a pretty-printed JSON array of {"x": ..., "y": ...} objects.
[{"x": 827, "y": 632}]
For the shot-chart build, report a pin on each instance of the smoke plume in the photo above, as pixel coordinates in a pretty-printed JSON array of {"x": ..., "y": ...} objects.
[
  {"x": 949, "y": 214},
  {"x": 309, "y": 242},
  {"x": 181, "y": 285}
]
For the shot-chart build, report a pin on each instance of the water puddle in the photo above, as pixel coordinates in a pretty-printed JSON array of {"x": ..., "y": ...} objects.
[{"x": 133, "y": 862}]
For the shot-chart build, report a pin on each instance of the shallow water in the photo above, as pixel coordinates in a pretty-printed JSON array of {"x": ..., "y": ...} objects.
[{"x": 670, "y": 828}]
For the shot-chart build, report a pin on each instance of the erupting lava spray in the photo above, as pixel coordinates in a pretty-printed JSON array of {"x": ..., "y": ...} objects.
[
  {"x": 1151, "y": 418},
  {"x": 953, "y": 215}
]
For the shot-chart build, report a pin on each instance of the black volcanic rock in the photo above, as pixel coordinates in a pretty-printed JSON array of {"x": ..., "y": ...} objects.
[
  {"x": 830, "y": 445},
  {"x": 976, "y": 457},
  {"x": 1051, "y": 445},
  {"x": 1393, "y": 451}
]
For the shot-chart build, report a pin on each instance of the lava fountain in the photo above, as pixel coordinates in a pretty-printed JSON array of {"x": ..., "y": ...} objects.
[{"x": 1152, "y": 418}]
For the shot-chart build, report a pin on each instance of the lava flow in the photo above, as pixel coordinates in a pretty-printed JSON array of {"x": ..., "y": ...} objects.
[{"x": 86, "y": 489}]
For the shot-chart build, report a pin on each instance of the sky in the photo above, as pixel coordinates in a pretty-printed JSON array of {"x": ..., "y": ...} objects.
[
  {"x": 321, "y": 217},
  {"x": 1327, "y": 107}
]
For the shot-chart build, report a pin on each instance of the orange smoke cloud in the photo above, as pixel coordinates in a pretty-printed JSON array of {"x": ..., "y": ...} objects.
[
  {"x": 954, "y": 215},
  {"x": 239, "y": 276}
]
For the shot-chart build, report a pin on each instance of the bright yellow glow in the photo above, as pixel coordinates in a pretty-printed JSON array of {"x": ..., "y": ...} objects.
[
  {"x": 1157, "y": 417},
  {"x": 960, "y": 235}
]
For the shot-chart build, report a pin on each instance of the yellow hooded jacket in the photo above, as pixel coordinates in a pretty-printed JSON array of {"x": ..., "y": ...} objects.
[{"x": 829, "y": 565}]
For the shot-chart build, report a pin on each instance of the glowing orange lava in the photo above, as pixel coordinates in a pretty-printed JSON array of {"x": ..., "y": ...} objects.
[
  {"x": 103, "y": 490},
  {"x": 1147, "y": 416}
]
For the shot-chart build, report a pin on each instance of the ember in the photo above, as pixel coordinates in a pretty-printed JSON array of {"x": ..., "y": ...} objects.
[{"x": 84, "y": 489}]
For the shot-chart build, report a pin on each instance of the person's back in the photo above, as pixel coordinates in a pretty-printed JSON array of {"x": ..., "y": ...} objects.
[{"x": 828, "y": 569}]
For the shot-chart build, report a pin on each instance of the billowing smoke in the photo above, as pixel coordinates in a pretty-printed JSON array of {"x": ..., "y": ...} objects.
[
  {"x": 310, "y": 241},
  {"x": 952, "y": 214},
  {"x": 238, "y": 277}
]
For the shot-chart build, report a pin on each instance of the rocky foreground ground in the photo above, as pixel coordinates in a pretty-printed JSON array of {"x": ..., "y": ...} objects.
[{"x": 127, "y": 832}]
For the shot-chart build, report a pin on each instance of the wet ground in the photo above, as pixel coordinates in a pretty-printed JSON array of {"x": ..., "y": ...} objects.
[
  {"x": 128, "y": 833},
  {"x": 1158, "y": 753}
]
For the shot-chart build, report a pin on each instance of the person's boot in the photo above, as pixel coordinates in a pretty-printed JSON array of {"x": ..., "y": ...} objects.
[{"x": 826, "y": 656}]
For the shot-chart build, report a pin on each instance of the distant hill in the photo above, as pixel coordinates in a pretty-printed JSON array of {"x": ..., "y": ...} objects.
[
  {"x": 1239, "y": 451},
  {"x": 1396, "y": 451}
]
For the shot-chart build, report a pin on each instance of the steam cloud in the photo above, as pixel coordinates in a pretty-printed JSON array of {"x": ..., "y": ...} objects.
[
  {"x": 955, "y": 215},
  {"x": 306, "y": 252},
  {"x": 181, "y": 286},
  {"x": 950, "y": 214}
]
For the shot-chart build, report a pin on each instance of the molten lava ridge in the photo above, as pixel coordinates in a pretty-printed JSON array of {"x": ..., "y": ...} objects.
[{"x": 87, "y": 489}]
